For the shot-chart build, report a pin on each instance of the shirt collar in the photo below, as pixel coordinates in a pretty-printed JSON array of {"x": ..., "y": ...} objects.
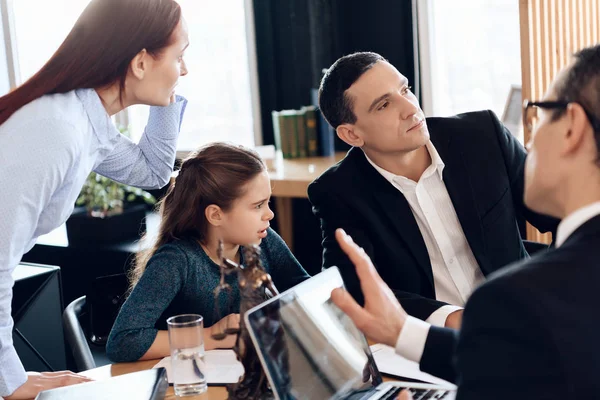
[
  {"x": 436, "y": 162},
  {"x": 574, "y": 220},
  {"x": 101, "y": 123}
]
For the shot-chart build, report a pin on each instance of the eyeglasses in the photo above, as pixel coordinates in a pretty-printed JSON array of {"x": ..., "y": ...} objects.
[{"x": 530, "y": 112}]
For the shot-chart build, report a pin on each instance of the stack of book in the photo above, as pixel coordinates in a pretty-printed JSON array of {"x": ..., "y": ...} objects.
[{"x": 302, "y": 133}]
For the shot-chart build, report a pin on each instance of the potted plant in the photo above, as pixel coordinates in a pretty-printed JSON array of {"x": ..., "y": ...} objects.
[
  {"x": 108, "y": 211},
  {"x": 102, "y": 197}
]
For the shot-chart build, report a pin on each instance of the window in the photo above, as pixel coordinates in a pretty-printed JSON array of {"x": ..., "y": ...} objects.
[
  {"x": 220, "y": 86},
  {"x": 40, "y": 27},
  {"x": 470, "y": 54}
]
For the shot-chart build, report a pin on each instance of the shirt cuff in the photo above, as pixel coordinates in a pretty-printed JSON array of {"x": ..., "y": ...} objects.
[
  {"x": 412, "y": 338},
  {"x": 182, "y": 104},
  {"x": 164, "y": 118},
  {"x": 12, "y": 373},
  {"x": 439, "y": 316}
]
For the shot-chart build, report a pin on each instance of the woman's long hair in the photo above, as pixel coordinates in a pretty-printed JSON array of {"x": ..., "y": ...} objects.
[
  {"x": 98, "y": 50},
  {"x": 214, "y": 174}
]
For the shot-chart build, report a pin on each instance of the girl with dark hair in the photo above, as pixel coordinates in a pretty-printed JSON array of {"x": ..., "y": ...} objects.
[
  {"x": 222, "y": 192},
  {"x": 56, "y": 128}
]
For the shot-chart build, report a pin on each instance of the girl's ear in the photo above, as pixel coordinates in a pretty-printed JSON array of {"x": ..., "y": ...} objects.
[{"x": 214, "y": 215}]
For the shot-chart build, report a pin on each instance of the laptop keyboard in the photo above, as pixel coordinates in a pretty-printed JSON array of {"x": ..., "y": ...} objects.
[{"x": 418, "y": 394}]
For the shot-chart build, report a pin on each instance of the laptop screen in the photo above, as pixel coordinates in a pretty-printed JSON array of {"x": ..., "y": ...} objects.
[{"x": 310, "y": 349}]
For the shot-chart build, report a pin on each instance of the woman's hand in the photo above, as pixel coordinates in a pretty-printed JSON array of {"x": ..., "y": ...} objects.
[{"x": 37, "y": 382}]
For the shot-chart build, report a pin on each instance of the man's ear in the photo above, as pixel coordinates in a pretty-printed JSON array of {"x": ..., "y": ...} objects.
[
  {"x": 347, "y": 133},
  {"x": 214, "y": 215},
  {"x": 578, "y": 128},
  {"x": 139, "y": 64}
]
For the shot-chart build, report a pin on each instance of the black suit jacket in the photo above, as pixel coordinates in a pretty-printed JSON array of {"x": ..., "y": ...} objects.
[
  {"x": 530, "y": 332},
  {"x": 484, "y": 177}
]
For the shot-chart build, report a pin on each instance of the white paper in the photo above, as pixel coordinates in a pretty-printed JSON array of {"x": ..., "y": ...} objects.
[
  {"x": 222, "y": 367},
  {"x": 388, "y": 362}
]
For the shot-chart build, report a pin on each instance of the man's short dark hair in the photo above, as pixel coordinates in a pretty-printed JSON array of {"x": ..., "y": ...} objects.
[
  {"x": 335, "y": 105},
  {"x": 581, "y": 84}
]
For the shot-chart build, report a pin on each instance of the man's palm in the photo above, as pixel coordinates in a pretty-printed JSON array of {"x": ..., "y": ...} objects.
[{"x": 382, "y": 317}]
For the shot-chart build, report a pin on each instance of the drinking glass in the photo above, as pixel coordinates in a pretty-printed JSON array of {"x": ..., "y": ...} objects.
[{"x": 186, "y": 341}]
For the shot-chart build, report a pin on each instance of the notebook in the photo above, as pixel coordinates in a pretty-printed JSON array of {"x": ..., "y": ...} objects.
[
  {"x": 143, "y": 385},
  {"x": 390, "y": 363},
  {"x": 222, "y": 367}
]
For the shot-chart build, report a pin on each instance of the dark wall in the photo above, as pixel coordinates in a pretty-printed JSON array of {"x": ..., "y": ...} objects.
[{"x": 296, "y": 39}]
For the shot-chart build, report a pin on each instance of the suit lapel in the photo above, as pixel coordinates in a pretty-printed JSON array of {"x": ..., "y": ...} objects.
[
  {"x": 460, "y": 189},
  {"x": 396, "y": 211}
]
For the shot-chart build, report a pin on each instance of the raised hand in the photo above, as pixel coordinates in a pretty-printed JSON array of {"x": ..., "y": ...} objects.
[{"x": 382, "y": 317}]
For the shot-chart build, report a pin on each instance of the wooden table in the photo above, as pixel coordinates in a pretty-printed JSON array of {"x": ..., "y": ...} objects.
[
  {"x": 108, "y": 371},
  {"x": 289, "y": 180}
]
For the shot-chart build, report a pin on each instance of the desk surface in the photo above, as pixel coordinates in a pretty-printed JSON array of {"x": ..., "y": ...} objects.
[
  {"x": 28, "y": 270},
  {"x": 213, "y": 393},
  {"x": 292, "y": 176}
]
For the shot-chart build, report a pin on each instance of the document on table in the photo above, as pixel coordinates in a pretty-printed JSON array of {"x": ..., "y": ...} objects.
[
  {"x": 390, "y": 363},
  {"x": 222, "y": 367}
]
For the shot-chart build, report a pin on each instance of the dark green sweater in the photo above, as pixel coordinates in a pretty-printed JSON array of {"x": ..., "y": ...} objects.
[{"x": 179, "y": 279}]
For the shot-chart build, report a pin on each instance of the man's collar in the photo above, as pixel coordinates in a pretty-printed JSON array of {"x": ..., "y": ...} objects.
[
  {"x": 435, "y": 158},
  {"x": 573, "y": 221},
  {"x": 436, "y": 161}
]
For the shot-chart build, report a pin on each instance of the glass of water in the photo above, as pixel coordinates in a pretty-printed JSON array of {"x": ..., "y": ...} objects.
[{"x": 186, "y": 340}]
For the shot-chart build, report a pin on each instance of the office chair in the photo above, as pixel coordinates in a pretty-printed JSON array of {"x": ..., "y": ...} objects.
[
  {"x": 530, "y": 246},
  {"x": 88, "y": 320},
  {"x": 534, "y": 247},
  {"x": 76, "y": 337},
  {"x": 88, "y": 352}
]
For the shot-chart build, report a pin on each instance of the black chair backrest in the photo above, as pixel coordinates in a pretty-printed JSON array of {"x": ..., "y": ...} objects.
[
  {"x": 105, "y": 299},
  {"x": 76, "y": 336}
]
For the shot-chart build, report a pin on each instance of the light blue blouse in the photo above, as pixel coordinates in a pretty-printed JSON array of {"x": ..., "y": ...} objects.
[{"x": 47, "y": 150}]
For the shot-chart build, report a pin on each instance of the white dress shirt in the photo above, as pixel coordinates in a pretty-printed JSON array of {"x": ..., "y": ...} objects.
[
  {"x": 47, "y": 150},
  {"x": 415, "y": 331},
  {"x": 456, "y": 272}
]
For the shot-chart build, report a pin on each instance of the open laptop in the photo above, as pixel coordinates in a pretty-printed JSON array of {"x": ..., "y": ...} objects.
[{"x": 310, "y": 349}]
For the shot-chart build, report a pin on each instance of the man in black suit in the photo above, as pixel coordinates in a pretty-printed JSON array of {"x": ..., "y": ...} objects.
[
  {"x": 530, "y": 332},
  {"x": 434, "y": 202}
]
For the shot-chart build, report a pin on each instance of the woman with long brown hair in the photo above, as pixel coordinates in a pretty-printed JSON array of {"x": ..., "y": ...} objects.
[
  {"x": 222, "y": 193},
  {"x": 56, "y": 128}
]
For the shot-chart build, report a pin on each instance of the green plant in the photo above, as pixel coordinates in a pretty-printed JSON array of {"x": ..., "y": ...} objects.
[{"x": 103, "y": 197}]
